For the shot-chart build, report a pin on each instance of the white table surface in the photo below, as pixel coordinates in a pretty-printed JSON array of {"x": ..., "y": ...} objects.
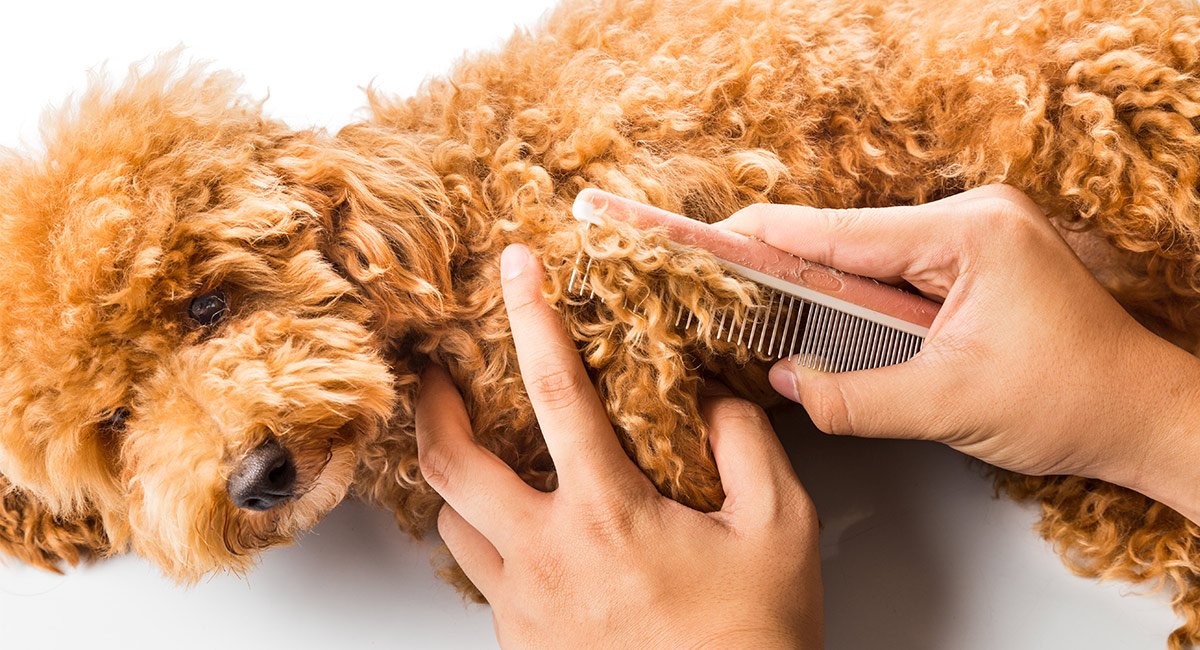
[{"x": 916, "y": 552}]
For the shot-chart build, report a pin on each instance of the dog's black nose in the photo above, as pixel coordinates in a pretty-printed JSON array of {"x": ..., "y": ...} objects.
[{"x": 266, "y": 476}]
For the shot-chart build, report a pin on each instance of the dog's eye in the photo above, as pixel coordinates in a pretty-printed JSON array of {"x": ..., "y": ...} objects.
[
  {"x": 114, "y": 420},
  {"x": 208, "y": 308}
]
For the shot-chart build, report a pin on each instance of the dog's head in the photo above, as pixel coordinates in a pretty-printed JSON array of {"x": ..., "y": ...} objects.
[{"x": 196, "y": 305}]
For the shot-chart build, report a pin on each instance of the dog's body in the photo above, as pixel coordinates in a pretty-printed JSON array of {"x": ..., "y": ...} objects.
[{"x": 183, "y": 281}]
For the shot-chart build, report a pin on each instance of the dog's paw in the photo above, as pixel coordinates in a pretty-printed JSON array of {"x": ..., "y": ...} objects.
[{"x": 30, "y": 533}]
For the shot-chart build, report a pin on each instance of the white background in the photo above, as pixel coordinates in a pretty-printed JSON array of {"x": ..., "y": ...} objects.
[{"x": 916, "y": 552}]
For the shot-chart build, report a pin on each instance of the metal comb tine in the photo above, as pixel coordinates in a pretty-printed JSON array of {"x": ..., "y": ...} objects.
[
  {"x": 786, "y": 324},
  {"x": 856, "y": 342},
  {"x": 846, "y": 360},
  {"x": 837, "y": 340},
  {"x": 871, "y": 346},
  {"x": 678, "y": 315},
  {"x": 826, "y": 337},
  {"x": 881, "y": 356},
  {"x": 584, "y": 277},
  {"x": 766, "y": 322},
  {"x": 785, "y": 332},
  {"x": 873, "y": 350},
  {"x": 865, "y": 356},
  {"x": 832, "y": 349},
  {"x": 754, "y": 327},
  {"x": 688, "y": 324},
  {"x": 889, "y": 346},
  {"x": 741, "y": 330},
  {"x": 818, "y": 336},
  {"x": 830, "y": 339},
  {"x": 806, "y": 330},
  {"x": 772, "y": 323},
  {"x": 855, "y": 345},
  {"x": 813, "y": 333},
  {"x": 875, "y": 342},
  {"x": 840, "y": 343},
  {"x": 762, "y": 335},
  {"x": 574, "y": 272},
  {"x": 721, "y": 327},
  {"x": 775, "y": 329},
  {"x": 796, "y": 329},
  {"x": 845, "y": 344},
  {"x": 779, "y": 310}
]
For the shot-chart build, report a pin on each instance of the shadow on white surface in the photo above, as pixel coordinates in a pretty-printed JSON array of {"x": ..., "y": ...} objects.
[
  {"x": 917, "y": 555},
  {"x": 355, "y": 582}
]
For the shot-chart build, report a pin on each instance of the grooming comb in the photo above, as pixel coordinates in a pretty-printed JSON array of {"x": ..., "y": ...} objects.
[{"x": 820, "y": 317}]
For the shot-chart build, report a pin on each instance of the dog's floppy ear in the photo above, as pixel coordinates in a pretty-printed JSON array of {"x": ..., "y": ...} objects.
[
  {"x": 381, "y": 211},
  {"x": 32, "y": 534}
]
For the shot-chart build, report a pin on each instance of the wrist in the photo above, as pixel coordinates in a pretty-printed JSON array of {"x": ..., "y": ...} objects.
[{"x": 1165, "y": 454}]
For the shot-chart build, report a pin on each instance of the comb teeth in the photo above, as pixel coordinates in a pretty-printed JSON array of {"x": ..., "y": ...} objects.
[{"x": 812, "y": 334}]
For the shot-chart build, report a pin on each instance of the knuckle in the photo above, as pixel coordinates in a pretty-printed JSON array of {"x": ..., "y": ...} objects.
[
  {"x": 555, "y": 386},
  {"x": 753, "y": 218},
  {"x": 752, "y": 213},
  {"x": 829, "y": 410},
  {"x": 840, "y": 224},
  {"x": 612, "y": 517},
  {"x": 437, "y": 462},
  {"x": 612, "y": 523},
  {"x": 524, "y": 305},
  {"x": 1006, "y": 208},
  {"x": 730, "y": 410}
]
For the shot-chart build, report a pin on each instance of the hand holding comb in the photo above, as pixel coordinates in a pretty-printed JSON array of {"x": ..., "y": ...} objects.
[{"x": 821, "y": 317}]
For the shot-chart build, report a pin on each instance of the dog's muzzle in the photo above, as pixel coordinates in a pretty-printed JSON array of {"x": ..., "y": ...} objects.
[{"x": 265, "y": 477}]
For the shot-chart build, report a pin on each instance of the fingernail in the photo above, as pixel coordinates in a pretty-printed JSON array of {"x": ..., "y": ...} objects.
[
  {"x": 513, "y": 260},
  {"x": 712, "y": 387},
  {"x": 785, "y": 382}
]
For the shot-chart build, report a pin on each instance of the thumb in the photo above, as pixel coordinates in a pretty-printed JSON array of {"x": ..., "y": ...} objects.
[{"x": 907, "y": 400}]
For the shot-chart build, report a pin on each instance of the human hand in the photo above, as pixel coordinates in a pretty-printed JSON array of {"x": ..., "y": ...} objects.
[
  {"x": 605, "y": 559},
  {"x": 1031, "y": 365}
]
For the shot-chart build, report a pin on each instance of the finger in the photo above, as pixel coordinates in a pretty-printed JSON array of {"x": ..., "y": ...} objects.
[
  {"x": 754, "y": 468},
  {"x": 907, "y": 400},
  {"x": 577, "y": 430},
  {"x": 470, "y": 478},
  {"x": 916, "y": 243},
  {"x": 476, "y": 555}
]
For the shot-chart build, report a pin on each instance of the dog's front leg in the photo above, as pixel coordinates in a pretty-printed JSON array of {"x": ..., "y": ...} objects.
[{"x": 33, "y": 534}]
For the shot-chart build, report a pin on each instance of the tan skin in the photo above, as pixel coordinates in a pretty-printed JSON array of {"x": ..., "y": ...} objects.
[{"x": 1031, "y": 366}]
